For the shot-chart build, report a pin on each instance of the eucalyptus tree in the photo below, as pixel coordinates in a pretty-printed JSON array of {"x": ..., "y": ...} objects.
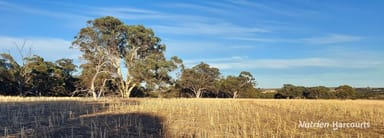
[
  {"x": 49, "y": 78},
  {"x": 199, "y": 79},
  {"x": 154, "y": 72},
  {"x": 17, "y": 71},
  {"x": 107, "y": 44},
  {"x": 318, "y": 92},
  {"x": 235, "y": 85},
  {"x": 65, "y": 68},
  {"x": 35, "y": 76},
  {"x": 345, "y": 92},
  {"x": 41, "y": 75},
  {"x": 291, "y": 91}
]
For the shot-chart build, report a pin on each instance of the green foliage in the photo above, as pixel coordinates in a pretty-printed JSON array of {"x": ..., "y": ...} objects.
[
  {"x": 8, "y": 84},
  {"x": 37, "y": 77},
  {"x": 154, "y": 72},
  {"x": 319, "y": 92},
  {"x": 239, "y": 86},
  {"x": 102, "y": 43},
  {"x": 291, "y": 91},
  {"x": 370, "y": 93},
  {"x": 199, "y": 79},
  {"x": 49, "y": 78},
  {"x": 17, "y": 74},
  {"x": 345, "y": 92},
  {"x": 107, "y": 43}
]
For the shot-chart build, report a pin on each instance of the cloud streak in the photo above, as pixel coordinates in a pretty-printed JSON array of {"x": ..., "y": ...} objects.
[
  {"x": 31, "y": 10},
  {"x": 332, "y": 39},
  {"x": 212, "y": 8},
  {"x": 243, "y": 63},
  {"x": 216, "y": 29},
  {"x": 274, "y": 8},
  {"x": 318, "y": 40}
]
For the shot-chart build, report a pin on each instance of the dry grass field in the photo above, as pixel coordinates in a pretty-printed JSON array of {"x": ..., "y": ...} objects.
[{"x": 82, "y": 117}]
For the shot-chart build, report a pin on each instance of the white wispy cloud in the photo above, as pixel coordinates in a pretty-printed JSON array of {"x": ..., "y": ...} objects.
[
  {"x": 130, "y": 13},
  {"x": 320, "y": 40},
  {"x": 216, "y": 29},
  {"x": 204, "y": 8},
  {"x": 49, "y": 48},
  {"x": 274, "y": 8},
  {"x": 199, "y": 49},
  {"x": 244, "y": 63},
  {"x": 332, "y": 39},
  {"x": 32, "y": 10},
  {"x": 127, "y": 13},
  {"x": 263, "y": 39},
  {"x": 178, "y": 23}
]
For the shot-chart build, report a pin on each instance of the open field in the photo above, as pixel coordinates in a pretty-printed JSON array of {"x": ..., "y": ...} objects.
[{"x": 82, "y": 117}]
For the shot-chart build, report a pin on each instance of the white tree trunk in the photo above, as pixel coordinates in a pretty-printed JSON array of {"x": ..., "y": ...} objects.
[
  {"x": 235, "y": 94},
  {"x": 198, "y": 93},
  {"x": 92, "y": 89},
  {"x": 125, "y": 86}
]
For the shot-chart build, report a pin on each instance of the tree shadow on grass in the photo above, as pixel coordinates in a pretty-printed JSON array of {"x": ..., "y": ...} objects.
[
  {"x": 75, "y": 119},
  {"x": 112, "y": 125}
]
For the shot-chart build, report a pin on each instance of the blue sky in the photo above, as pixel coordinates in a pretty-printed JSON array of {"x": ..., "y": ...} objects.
[{"x": 301, "y": 42}]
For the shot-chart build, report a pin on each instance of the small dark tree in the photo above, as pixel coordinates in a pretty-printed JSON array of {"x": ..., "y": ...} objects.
[
  {"x": 291, "y": 91},
  {"x": 319, "y": 92}
]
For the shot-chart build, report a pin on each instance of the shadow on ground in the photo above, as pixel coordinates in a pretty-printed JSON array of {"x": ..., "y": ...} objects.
[{"x": 75, "y": 119}]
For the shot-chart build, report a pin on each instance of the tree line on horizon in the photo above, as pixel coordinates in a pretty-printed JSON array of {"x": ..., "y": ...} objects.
[{"x": 128, "y": 61}]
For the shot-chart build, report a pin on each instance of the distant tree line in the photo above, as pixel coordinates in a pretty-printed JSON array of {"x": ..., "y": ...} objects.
[
  {"x": 289, "y": 91},
  {"x": 128, "y": 61}
]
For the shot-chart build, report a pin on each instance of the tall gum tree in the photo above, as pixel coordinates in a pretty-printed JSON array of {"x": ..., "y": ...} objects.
[{"x": 107, "y": 44}]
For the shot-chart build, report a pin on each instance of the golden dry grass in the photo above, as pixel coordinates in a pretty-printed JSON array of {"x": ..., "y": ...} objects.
[{"x": 83, "y": 117}]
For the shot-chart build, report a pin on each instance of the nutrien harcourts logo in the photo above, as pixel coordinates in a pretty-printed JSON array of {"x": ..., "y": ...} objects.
[{"x": 335, "y": 125}]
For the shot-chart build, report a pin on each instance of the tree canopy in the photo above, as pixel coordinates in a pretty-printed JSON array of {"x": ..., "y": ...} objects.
[
  {"x": 237, "y": 85},
  {"x": 199, "y": 79},
  {"x": 107, "y": 43},
  {"x": 36, "y": 77}
]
